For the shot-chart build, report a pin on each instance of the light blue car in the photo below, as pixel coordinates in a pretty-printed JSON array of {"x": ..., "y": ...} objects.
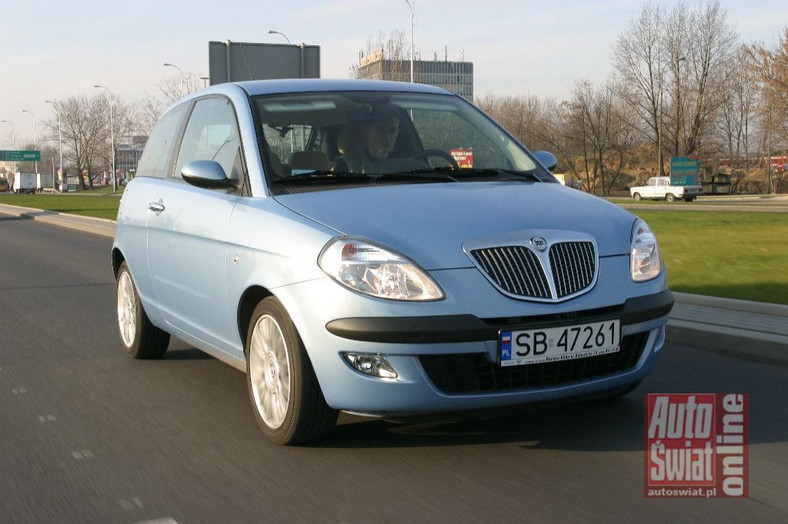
[{"x": 379, "y": 248}]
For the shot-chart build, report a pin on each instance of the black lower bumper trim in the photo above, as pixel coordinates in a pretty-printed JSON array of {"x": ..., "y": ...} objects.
[{"x": 469, "y": 328}]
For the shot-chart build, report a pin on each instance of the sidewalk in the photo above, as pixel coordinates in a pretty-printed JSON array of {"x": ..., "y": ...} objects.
[{"x": 753, "y": 330}]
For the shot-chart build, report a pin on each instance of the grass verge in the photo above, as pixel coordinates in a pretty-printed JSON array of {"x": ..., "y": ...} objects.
[
  {"x": 99, "y": 204},
  {"x": 726, "y": 254}
]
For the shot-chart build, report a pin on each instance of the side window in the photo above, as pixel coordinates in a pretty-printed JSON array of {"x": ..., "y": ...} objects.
[
  {"x": 212, "y": 134},
  {"x": 157, "y": 156}
]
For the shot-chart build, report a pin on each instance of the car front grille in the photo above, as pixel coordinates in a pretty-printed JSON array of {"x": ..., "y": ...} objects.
[
  {"x": 473, "y": 373},
  {"x": 517, "y": 271}
]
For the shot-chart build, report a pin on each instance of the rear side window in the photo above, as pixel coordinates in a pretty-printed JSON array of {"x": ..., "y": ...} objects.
[{"x": 157, "y": 156}]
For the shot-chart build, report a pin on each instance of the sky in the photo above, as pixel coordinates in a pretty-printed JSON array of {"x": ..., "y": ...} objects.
[{"x": 55, "y": 49}]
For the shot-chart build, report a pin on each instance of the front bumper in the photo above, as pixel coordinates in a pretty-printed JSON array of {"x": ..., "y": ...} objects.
[
  {"x": 459, "y": 336},
  {"x": 469, "y": 328}
]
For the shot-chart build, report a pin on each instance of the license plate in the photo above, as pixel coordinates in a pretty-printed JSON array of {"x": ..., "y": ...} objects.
[{"x": 553, "y": 344}]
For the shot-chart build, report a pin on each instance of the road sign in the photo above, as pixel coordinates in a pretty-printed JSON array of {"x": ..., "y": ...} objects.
[
  {"x": 684, "y": 171},
  {"x": 20, "y": 156}
]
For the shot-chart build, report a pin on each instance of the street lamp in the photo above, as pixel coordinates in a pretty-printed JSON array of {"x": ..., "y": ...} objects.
[
  {"x": 60, "y": 142},
  {"x": 412, "y": 18},
  {"x": 111, "y": 134},
  {"x": 678, "y": 104},
  {"x": 35, "y": 134},
  {"x": 272, "y": 32},
  {"x": 181, "y": 72}
]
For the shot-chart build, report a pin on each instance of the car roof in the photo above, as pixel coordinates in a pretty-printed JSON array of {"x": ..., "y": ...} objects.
[{"x": 306, "y": 85}]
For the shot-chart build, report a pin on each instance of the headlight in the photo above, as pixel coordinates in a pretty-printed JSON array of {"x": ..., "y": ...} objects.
[
  {"x": 376, "y": 271},
  {"x": 645, "y": 259}
]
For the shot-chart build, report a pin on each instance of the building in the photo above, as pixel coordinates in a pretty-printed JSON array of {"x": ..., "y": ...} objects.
[
  {"x": 457, "y": 77},
  {"x": 128, "y": 153}
]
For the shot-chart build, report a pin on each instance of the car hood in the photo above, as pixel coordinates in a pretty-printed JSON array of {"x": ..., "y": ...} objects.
[{"x": 430, "y": 222}]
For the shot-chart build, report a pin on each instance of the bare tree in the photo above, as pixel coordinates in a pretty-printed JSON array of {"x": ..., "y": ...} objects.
[
  {"x": 595, "y": 126},
  {"x": 638, "y": 60},
  {"x": 711, "y": 44},
  {"x": 736, "y": 113},
  {"x": 149, "y": 109},
  {"x": 87, "y": 132},
  {"x": 175, "y": 87},
  {"x": 770, "y": 67},
  {"x": 671, "y": 72},
  {"x": 390, "y": 58}
]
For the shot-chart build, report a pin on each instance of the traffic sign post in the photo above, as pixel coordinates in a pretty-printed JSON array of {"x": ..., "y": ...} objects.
[{"x": 20, "y": 156}]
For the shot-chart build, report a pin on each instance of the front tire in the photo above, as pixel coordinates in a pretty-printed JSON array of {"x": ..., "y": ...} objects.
[
  {"x": 139, "y": 338},
  {"x": 286, "y": 399}
]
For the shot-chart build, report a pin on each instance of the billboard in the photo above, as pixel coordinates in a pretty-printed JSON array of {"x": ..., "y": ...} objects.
[
  {"x": 684, "y": 171},
  {"x": 237, "y": 61}
]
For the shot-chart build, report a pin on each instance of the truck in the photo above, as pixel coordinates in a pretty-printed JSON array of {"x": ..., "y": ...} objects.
[
  {"x": 661, "y": 188},
  {"x": 25, "y": 183}
]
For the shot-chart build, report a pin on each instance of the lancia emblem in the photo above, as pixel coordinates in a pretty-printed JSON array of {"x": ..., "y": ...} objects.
[{"x": 539, "y": 243}]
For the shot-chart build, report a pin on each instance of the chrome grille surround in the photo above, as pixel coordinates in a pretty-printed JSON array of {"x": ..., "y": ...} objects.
[{"x": 567, "y": 267}]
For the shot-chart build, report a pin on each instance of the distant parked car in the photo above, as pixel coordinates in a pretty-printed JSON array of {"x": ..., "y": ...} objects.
[
  {"x": 4, "y": 187},
  {"x": 382, "y": 248},
  {"x": 662, "y": 188}
]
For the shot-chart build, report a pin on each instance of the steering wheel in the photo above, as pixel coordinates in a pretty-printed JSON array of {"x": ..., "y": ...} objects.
[{"x": 437, "y": 153}]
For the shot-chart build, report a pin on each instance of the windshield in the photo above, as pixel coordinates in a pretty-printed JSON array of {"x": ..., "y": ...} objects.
[{"x": 356, "y": 137}]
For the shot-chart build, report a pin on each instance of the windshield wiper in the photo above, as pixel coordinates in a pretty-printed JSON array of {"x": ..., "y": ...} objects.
[
  {"x": 317, "y": 176},
  {"x": 443, "y": 174},
  {"x": 465, "y": 173}
]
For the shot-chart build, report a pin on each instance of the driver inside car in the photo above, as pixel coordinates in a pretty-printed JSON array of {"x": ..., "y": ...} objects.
[{"x": 379, "y": 136}]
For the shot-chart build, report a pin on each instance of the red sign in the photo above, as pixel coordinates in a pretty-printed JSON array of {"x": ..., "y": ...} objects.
[
  {"x": 696, "y": 445},
  {"x": 464, "y": 157}
]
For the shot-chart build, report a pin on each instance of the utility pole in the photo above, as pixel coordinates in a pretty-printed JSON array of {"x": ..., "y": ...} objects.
[
  {"x": 411, "y": 5},
  {"x": 112, "y": 135}
]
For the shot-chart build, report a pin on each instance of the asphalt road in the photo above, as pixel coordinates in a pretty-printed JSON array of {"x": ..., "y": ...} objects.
[{"x": 89, "y": 435}]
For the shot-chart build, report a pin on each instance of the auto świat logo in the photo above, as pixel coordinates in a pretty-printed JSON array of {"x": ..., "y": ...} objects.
[
  {"x": 539, "y": 243},
  {"x": 697, "y": 445}
]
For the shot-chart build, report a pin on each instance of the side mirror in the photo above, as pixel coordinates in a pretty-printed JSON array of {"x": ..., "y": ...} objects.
[
  {"x": 547, "y": 159},
  {"x": 207, "y": 174}
]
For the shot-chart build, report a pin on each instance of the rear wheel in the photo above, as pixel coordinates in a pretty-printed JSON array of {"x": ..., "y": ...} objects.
[
  {"x": 140, "y": 338},
  {"x": 286, "y": 399},
  {"x": 637, "y": 197},
  {"x": 670, "y": 197}
]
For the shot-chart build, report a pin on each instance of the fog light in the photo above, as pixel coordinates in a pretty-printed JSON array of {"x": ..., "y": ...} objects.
[{"x": 374, "y": 365}]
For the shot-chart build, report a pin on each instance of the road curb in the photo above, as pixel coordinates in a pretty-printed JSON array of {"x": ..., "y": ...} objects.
[
  {"x": 98, "y": 226},
  {"x": 762, "y": 308},
  {"x": 740, "y": 328},
  {"x": 734, "y": 343}
]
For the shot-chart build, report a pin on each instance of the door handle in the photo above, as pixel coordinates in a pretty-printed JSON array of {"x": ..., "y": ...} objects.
[{"x": 156, "y": 207}]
